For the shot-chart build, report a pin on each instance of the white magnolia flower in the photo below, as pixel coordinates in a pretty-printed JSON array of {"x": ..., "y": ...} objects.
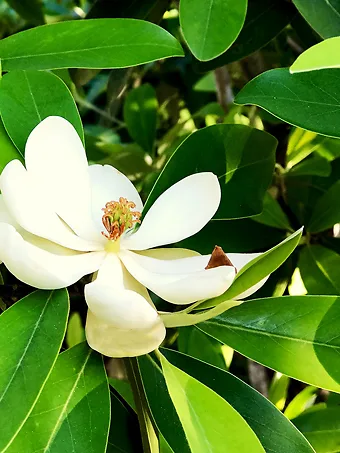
[{"x": 61, "y": 219}]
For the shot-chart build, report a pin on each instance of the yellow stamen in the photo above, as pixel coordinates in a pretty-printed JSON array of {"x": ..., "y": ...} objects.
[{"x": 118, "y": 217}]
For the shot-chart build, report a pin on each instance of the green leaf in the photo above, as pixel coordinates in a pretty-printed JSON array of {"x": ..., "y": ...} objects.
[
  {"x": 264, "y": 20},
  {"x": 295, "y": 335},
  {"x": 321, "y": 56},
  {"x": 272, "y": 214},
  {"x": 124, "y": 430},
  {"x": 140, "y": 115},
  {"x": 75, "y": 333},
  {"x": 28, "y": 97},
  {"x": 322, "y": 15},
  {"x": 271, "y": 426},
  {"x": 321, "y": 428},
  {"x": 196, "y": 343},
  {"x": 320, "y": 270},
  {"x": 204, "y": 416},
  {"x": 326, "y": 211},
  {"x": 258, "y": 269},
  {"x": 210, "y": 27},
  {"x": 242, "y": 158},
  {"x": 31, "y": 333},
  {"x": 73, "y": 410},
  {"x": 278, "y": 390},
  {"x": 162, "y": 409},
  {"x": 91, "y": 44},
  {"x": 123, "y": 388},
  {"x": 30, "y": 10},
  {"x": 8, "y": 150},
  {"x": 308, "y": 100},
  {"x": 315, "y": 165},
  {"x": 301, "y": 402}
]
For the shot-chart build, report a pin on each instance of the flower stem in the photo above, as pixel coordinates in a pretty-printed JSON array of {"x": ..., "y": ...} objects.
[{"x": 148, "y": 433}]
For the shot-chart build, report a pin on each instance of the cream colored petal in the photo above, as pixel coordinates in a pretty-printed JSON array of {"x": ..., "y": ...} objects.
[
  {"x": 180, "y": 281},
  {"x": 55, "y": 158},
  {"x": 121, "y": 322},
  {"x": 114, "y": 342},
  {"x": 118, "y": 299},
  {"x": 29, "y": 205},
  {"x": 41, "y": 268},
  {"x": 109, "y": 184},
  {"x": 180, "y": 212}
]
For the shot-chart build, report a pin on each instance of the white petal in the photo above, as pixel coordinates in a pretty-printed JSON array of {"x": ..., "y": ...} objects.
[
  {"x": 121, "y": 320},
  {"x": 56, "y": 160},
  {"x": 118, "y": 299},
  {"x": 109, "y": 184},
  {"x": 180, "y": 281},
  {"x": 114, "y": 342},
  {"x": 239, "y": 260},
  {"x": 39, "y": 267},
  {"x": 30, "y": 206},
  {"x": 180, "y": 212}
]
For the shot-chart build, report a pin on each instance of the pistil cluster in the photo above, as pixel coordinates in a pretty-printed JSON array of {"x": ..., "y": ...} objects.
[{"x": 118, "y": 217}]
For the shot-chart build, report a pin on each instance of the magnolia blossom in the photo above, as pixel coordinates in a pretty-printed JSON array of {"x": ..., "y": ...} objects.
[{"x": 61, "y": 219}]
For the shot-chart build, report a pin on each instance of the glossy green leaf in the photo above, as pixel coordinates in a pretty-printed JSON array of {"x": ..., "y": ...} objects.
[
  {"x": 123, "y": 388},
  {"x": 301, "y": 402},
  {"x": 264, "y": 20},
  {"x": 92, "y": 43},
  {"x": 327, "y": 210},
  {"x": 322, "y": 429},
  {"x": 269, "y": 424},
  {"x": 321, "y": 56},
  {"x": 8, "y": 150},
  {"x": 31, "y": 333},
  {"x": 295, "y": 335},
  {"x": 204, "y": 416},
  {"x": 320, "y": 270},
  {"x": 272, "y": 214},
  {"x": 210, "y": 27},
  {"x": 162, "y": 409},
  {"x": 30, "y": 10},
  {"x": 196, "y": 343},
  {"x": 242, "y": 158},
  {"x": 258, "y": 268},
  {"x": 140, "y": 115},
  {"x": 27, "y": 97},
  {"x": 76, "y": 413},
  {"x": 308, "y": 100},
  {"x": 322, "y": 15}
]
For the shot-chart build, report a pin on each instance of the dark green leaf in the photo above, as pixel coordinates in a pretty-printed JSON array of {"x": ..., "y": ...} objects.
[
  {"x": 320, "y": 270},
  {"x": 327, "y": 210},
  {"x": 210, "y": 28},
  {"x": 271, "y": 427},
  {"x": 295, "y": 335},
  {"x": 322, "y": 15},
  {"x": 30, "y": 10},
  {"x": 308, "y": 100},
  {"x": 31, "y": 333},
  {"x": 265, "y": 19},
  {"x": 162, "y": 409},
  {"x": 92, "y": 43},
  {"x": 73, "y": 410},
  {"x": 8, "y": 150},
  {"x": 28, "y": 97},
  {"x": 242, "y": 158},
  {"x": 315, "y": 165},
  {"x": 140, "y": 115},
  {"x": 272, "y": 214}
]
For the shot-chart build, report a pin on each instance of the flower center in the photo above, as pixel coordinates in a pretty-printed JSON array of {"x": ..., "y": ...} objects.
[{"x": 119, "y": 217}]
